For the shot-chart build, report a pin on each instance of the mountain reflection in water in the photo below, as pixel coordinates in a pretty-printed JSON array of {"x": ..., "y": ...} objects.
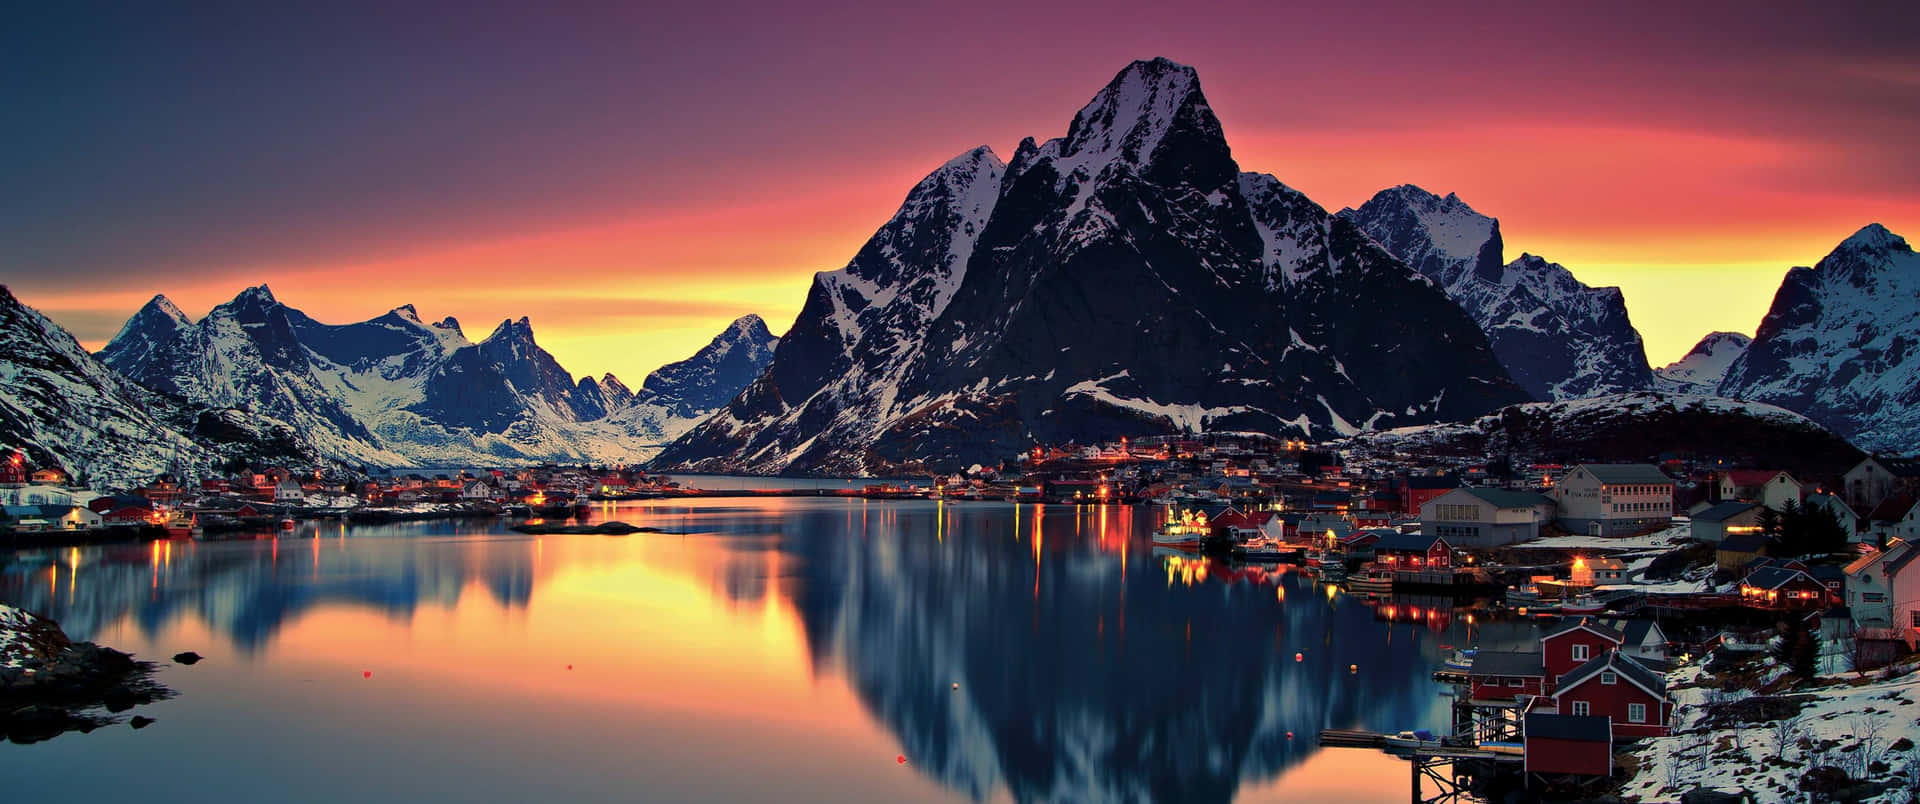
[{"x": 1087, "y": 667}]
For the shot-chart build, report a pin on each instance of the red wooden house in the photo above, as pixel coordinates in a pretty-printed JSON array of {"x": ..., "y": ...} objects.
[
  {"x": 1617, "y": 687},
  {"x": 1569, "y": 744},
  {"x": 1505, "y": 676},
  {"x": 1574, "y": 644},
  {"x": 1412, "y": 551}
]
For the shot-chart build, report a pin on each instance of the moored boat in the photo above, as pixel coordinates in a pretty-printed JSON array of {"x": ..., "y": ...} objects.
[
  {"x": 1183, "y": 531},
  {"x": 1374, "y": 580}
]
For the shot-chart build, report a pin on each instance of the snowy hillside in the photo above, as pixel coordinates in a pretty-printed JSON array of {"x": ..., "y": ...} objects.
[
  {"x": 1559, "y": 338},
  {"x": 66, "y": 409},
  {"x": 1841, "y": 343},
  {"x": 1124, "y": 279},
  {"x": 1632, "y": 427},
  {"x": 1702, "y": 370}
]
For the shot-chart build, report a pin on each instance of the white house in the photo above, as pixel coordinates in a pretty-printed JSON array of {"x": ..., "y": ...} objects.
[
  {"x": 1644, "y": 639},
  {"x": 1482, "y": 517},
  {"x": 1614, "y": 499},
  {"x": 476, "y": 490},
  {"x": 289, "y": 491},
  {"x": 1876, "y": 584},
  {"x": 1771, "y": 488}
]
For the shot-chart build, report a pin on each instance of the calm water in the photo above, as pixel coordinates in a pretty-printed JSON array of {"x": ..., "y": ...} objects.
[{"x": 782, "y": 650}]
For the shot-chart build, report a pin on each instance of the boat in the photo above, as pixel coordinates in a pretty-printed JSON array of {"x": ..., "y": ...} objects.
[
  {"x": 1584, "y": 604},
  {"x": 1374, "y": 580},
  {"x": 1461, "y": 659},
  {"x": 287, "y": 523},
  {"x": 1528, "y": 595},
  {"x": 1184, "y": 531},
  {"x": 516, "y": 509},
  {"x": 1416, "y": 739}
]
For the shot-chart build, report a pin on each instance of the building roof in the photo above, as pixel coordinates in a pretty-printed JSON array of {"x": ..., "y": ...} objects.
[
  {"x": 1611, "y": 473},
  {"x": 1507, "y": 663},
  {"x": 1743, "y": 543},
  {"x": 1571, "y": 624},
  {"x": 1721, "y": 512},
  {"x": 1774, "y": 577},
  {"x": 1582, "y": 728},
  {"x": 1620, "y": 664},
  {"x": 1892, "y": 509},
  {"x": 1752, "y": 477},
  {"x": 1637, "y": 630},
  {"x": 1502, "y": 498},
  {"x": 1406, "y": 542}
]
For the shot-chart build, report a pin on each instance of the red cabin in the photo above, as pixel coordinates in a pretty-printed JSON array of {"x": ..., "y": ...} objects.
[
  {"x": 1617, "y": 687},
  {"x": 1412, "y": 552},
  {"x": 1574, "y": 645},
  {"x": 1569, "y": 744},
  {"x": 1505, "y": 676}
]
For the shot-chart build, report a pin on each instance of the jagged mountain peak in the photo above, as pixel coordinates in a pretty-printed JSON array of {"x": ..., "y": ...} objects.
[
  {"x": 1148, "y": 106},
  {"x": 155, "y": 325},
  {"x": 511, "y": 330},
  {"x": 1705, "y": 366},
  {"x": 1560, "y": 338},
  {"x": 164, "y": 306},
  {"x": 450, "y": 323},
  {"x": 406, "y": 311},
  {"x": 1839, "y": 343},
  {"x": 1874, "y": 238},
  {"x": 260, "y": 294},
  {"x": 1110, "y": 289},
  {"x": 1715, "y": 341}
]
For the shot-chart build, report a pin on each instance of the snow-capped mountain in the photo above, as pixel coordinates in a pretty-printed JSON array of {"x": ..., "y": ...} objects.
[
  {"x": 699, "y": 385},
  {"x": 64, "y": 408},
  {"x": 1702, "y": 370},
  {"x": 677, "y": 396},
  {"x": 1559, "y": 338},
  {"x": 1841, "y": 343},
  {"x": 156, "y": 324},
  {"x": 397, "y": 391},
  {"x": 1124, "y": 279}
]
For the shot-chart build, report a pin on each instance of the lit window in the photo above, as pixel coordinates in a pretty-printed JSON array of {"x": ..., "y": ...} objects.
[{"x": 1636, "y": 713}]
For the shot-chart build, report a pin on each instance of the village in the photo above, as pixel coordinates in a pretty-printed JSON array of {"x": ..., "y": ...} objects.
[{"x": 1677, "y": 610}]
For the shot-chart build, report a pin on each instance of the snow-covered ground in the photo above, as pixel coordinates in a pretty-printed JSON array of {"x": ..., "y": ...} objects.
[
  {"x": 1851, "y": 724},
  {"x": 1657, "y": 540},
  {"x": 13, "y": 638}
]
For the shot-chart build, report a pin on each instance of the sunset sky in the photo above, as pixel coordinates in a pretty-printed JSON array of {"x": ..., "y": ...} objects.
[{"x": 633, "y": 179}]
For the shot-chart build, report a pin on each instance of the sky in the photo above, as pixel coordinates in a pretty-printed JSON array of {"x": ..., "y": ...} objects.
[{"x": 633, "y": 178}]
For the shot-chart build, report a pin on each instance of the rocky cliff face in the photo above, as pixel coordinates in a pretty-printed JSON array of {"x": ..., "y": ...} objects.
[
  {"x": 1124, "y": 279},
  {"x": 1559, "y": 338}
]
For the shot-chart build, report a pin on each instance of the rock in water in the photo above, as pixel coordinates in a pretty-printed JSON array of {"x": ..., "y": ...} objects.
[
  {"x": 140, "y": 721},
  {"x": 188, "y": 658}
]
